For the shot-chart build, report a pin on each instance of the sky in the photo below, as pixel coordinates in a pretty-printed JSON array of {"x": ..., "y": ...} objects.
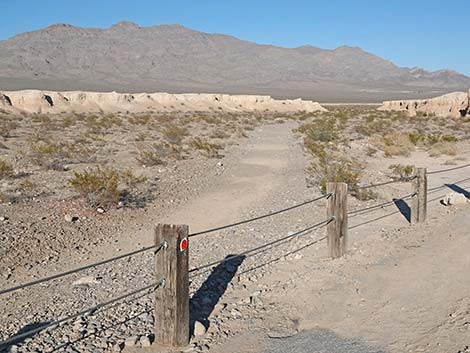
[{"x": 430, "y": 34}]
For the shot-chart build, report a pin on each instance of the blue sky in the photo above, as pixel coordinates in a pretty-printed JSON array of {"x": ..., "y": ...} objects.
[{"x": 427, "y": 33}]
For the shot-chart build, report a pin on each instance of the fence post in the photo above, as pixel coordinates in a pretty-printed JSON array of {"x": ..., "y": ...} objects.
[
  {"x": 172, "y": 300},
  {"x": 337, "y": 229},
  {"x": 419, "y": 199}
]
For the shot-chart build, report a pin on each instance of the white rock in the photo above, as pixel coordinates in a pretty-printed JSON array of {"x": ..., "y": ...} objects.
[
  {"x": 454, "y": 198},
  {"x": 199, "y": 329},
  {"x": 85, "y": 281},
  {"x": 131, "y": 341},
  {"x": 145, "y": 341}
]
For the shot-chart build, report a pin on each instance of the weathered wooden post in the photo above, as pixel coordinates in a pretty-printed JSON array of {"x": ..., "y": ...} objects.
[
  {"x": 172, "y": 299},
  {"x": 337, "y": 229},
  {"x": 419, "y": 198}
]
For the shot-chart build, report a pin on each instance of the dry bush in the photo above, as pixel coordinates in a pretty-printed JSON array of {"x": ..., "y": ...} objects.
[
  {"x": 101, "y": 186},
  {"x": 219, "y": 134},
  {"x": 149, "y": 158},
  {"x": 335, "y": 169},
  {"x": 371, "y": 126},
  {"x": 443, "y": 148},
  {"x": 401, "y": 171},
  {"x": 394, "y": 144},
  {"x": 53, "y": 154},
  {"x": 175, "y": 134},
  {"x": 420, "y": 139},
  {"x": 209, "y": 149},
  {"x": 6, "y": 169}
]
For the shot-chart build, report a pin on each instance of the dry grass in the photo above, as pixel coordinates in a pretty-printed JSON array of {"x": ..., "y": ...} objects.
[
  {"x": 209, "y": 149},
  {"x": 6, "y": 169},
  {"x": 101, "y": 186}
]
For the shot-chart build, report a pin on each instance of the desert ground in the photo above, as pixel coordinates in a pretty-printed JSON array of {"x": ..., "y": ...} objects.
[{"x": 81, "y": 187}]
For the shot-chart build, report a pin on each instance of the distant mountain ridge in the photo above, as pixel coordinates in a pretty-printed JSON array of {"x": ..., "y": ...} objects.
[{"x": 173, "y": 58}]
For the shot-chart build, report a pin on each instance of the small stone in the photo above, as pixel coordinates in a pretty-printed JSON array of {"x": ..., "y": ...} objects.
[
  {"x": 199, "y": 329},
  {"x": 145, "y": 341},
  {"x": 3, "y": 218},
  {"x": 100, "y": 210},
  {"x": 70, "y": 219},
  {"x": 85, "y": 281}
]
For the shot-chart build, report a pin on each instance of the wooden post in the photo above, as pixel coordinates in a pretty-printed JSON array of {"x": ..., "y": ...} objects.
[
  {"x": 337, "y": 229},
  {"x": 419, "y": 199},
  {"x": 172, "y": 300}
]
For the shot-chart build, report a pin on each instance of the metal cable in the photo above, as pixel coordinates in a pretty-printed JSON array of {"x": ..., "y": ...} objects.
[
  {"x": 356, "y": 212},
  {"x": 83, "y": 312},
  {"x": 401, "y": 180},
  {"x": 434, "y": 189},
  {"x": 261, "y": 217},
  {"x": 59, "y": 275},
  {"x": 262, "y": 246},
  {"x": 449, "y": 169}
]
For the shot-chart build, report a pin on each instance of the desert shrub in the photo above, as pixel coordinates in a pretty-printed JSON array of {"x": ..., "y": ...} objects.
[
  {"x": 219, "y": 134},
  {"x": 6, "y": 169},
  {"x": 430, "y": 139},
  {"x": 142, "y": 136},
  {"x": 322, "y": 130},
  {"x": 443, "y": 148},
  {"x": 373, "y": 126},
  {"x": 394, "y": 144},
  {"x": 175, "y": 134},
  {"x": 209, "y": 149},
  {"x": 52, "y": 154},
  {"x": 330, "y": 167},
  {"x": 401, "y": 171},
  {"x": 103, "y": 186},
  {"x": 149, "y": 158}
]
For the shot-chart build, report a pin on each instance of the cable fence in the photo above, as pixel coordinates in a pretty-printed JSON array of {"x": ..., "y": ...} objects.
[
  {"x": 173, "y": 272},
  {"x": 89, "y": 310}
]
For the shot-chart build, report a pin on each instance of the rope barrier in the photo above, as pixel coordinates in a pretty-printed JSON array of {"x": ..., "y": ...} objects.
[
  {"x": 360, "y": 211},
  {"x": 59, "y": 275},
  {"x": 250, "y": 251},
  {"x": 449, "y": 169},
  {"x": 83, "y": 312},
  {"x": 432, "y": 190},
  {"x": 401, "y": 180},
  {"x": 260, "y": 217}
]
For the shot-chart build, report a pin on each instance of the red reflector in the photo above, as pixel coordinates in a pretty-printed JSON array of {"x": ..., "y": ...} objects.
[{"x": 183, "y": 244}]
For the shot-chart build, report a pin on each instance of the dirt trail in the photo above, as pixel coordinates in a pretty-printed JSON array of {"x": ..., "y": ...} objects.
[{"x": 400, "y": 288}]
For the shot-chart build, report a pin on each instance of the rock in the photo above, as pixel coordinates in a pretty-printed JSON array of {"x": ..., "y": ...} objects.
[
  {"x": 70, "y": 219},
  {"x": 454, "y": 198},
  {"x": 455, "y": 105},
  {"x": 100, "y": 210},
  {"x": 145, "y": 341},
  {"x": 199, "y": 329},
  {"x": 3, "y": 218},
  {"x": 85, "y": 281},
  {"x": 131, "y": 341}
]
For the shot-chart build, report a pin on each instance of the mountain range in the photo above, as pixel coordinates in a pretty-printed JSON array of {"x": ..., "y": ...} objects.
[{"x": 171, "y": 58}]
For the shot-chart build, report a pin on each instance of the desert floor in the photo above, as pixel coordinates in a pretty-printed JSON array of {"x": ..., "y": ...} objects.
[{"x": 400, "y": 288}]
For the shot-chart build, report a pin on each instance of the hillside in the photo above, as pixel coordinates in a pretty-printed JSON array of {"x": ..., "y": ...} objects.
[{"x": 172, "y": 58}]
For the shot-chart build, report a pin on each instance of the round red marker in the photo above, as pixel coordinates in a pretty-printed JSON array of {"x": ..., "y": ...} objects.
[{"x": 183, "y": 244}]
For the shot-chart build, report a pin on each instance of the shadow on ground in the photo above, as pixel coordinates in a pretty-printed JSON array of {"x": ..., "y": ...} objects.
[
  {"x": 404, "y": 208},
  {"x": 317, "y": 341},
  {"x": 25, "y": 329},
  {"x": 458, "y": 189},
  {"x": 208, "y": 295}
]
